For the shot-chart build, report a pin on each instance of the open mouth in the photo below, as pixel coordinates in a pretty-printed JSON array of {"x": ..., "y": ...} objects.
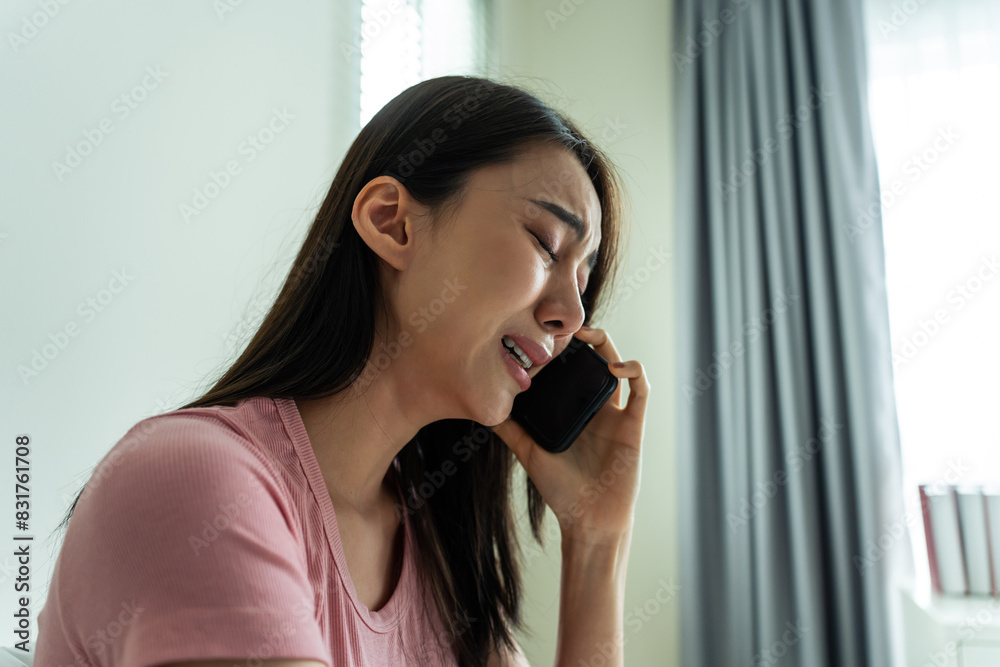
[{"x": 516, "y": 352}]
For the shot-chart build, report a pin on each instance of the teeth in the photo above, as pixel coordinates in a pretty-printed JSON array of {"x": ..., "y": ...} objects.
[{"x": 519, "y": 354}]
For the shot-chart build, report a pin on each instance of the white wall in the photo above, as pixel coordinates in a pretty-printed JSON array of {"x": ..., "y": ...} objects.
[
  {"x": 194, "y": 284},
  {"x": 607, "y": 65},
  {"x": 190, "y": 283}
]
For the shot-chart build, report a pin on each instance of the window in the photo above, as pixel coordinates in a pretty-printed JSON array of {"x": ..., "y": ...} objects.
[
  {"x": 934, "y": 97},
  {"x": 407, "y": 41}
]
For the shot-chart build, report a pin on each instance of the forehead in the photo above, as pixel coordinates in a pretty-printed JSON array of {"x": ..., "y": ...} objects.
[{"x": 551, "y": 174}]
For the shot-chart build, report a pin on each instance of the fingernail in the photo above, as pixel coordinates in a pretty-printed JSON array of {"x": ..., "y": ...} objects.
[
  {"x": 618, "y": 364},
  {"x": 586, "y": 328}
]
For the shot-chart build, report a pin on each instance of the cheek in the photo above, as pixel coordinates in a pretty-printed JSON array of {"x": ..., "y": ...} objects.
[
  {"x": 500, "y": 276},
  {"x": 515, "y": 275}
]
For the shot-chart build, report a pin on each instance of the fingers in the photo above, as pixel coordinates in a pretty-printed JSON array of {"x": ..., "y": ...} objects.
[
  {"x": 638, "y": 387},
  {"x": 633, "y": 370},
  {"x": 601, "y": 342}
]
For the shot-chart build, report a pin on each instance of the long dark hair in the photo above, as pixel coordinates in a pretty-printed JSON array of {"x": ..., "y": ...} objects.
[{"x": 317, "y": 337}]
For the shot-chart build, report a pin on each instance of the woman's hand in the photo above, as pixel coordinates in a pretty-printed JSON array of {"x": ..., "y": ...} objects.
[{"x": 593, "y": 485}]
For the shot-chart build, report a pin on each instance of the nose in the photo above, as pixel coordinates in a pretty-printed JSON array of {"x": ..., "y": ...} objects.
[{"x": 561, "y": 311}]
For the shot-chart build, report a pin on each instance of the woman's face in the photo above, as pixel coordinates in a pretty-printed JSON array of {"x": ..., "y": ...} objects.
[{"x": 481, "y": 274}]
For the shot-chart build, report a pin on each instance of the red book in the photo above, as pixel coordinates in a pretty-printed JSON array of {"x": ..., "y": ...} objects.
[{"x": 929, "y": 534}]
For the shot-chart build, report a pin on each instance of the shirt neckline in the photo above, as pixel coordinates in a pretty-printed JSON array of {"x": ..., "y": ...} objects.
[{"x": 391, "y": 612}]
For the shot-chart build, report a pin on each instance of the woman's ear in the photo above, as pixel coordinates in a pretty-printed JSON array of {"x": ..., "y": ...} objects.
[{"x": 387, "y": 218}]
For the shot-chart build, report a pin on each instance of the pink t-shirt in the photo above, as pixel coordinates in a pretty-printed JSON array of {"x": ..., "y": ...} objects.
[{"x": 209, "y": 533}]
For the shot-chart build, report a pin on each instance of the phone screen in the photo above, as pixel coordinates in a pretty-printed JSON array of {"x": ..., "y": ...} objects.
[{"x": 564, "y": 396}]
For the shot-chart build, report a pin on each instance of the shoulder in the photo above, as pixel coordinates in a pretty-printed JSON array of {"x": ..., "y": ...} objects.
[
  {"x": 190, "y": 529},
  {"x": 178, "y": 464},
  {"x": 183, "y": 443},
  {"x": 209, "y": 430}
]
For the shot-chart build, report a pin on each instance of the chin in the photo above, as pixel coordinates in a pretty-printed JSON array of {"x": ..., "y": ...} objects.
[
  {"x": 495, "y": 416},
  {"x": 496, "y": 421},
  {"x": 497, "y": 410}
]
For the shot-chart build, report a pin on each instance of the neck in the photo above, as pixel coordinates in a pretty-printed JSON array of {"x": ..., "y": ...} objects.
[{"x": 357, "y": 433}]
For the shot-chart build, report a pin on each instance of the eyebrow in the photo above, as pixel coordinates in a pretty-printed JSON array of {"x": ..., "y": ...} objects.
[{"x": 572, "y": 221}]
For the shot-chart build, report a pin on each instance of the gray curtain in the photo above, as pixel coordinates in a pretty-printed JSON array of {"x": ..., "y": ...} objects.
[{"x": 789, "y": 463}]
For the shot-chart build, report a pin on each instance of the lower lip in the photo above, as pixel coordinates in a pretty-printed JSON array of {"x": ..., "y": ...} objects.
[{"x": 516, "y": 369}]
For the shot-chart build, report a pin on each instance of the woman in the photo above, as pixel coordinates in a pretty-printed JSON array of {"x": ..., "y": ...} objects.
[{"x": 342, "y": 494}]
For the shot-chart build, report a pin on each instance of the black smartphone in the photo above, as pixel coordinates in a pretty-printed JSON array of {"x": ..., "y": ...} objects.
[{"x": 564, "y": 396}]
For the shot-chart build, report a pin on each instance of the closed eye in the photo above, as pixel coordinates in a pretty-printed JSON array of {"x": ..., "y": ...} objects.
[{"x": 555, "y": 257}]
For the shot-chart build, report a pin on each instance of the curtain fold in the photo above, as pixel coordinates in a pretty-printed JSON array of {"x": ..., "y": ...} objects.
[{"x": 789, "y": 449}]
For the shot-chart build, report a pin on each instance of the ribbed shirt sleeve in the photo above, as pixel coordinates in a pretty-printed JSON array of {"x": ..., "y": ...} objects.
[{"x": 185, "y": 547}]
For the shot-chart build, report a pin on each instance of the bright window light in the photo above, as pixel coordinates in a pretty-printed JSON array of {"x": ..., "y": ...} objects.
[
  {"x": 934, "y": 99},
  {"x": 404, "y": 42}
]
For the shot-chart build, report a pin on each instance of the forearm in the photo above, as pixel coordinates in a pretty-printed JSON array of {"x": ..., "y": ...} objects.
[{"x": 591, "y": 602}]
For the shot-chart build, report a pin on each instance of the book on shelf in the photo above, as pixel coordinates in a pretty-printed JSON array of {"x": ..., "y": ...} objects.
[
  {"x": 925, "y": 508},
  {"x": 944, "y": 539},
  {"x": 962, "y": 530},
  {"x": 972, "y": 522},
  {"x": 991, "y": 502}
]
